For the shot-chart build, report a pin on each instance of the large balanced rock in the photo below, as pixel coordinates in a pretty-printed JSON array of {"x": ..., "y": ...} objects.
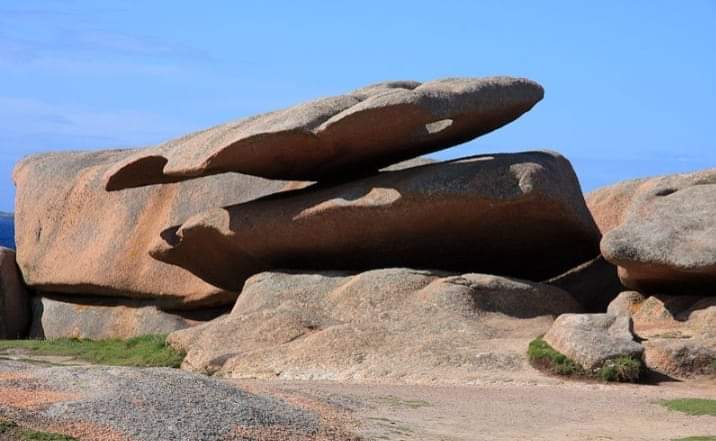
[
  {"x": 100, "y": 318},
  {"x": 14, "y": 299},
  {"x": 74, "y": 237},
  {"x": 665, "y": 239},
  {"x": 593, "y": 339},
  {"x": 678, "y": 332},
  {"x": 364, "y": 130},
  {"x": 518, "y": 214},
  {"x": 382, "y": 325}
]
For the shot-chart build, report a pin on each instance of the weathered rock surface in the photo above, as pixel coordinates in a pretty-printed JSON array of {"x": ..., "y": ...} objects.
[
  {"x": 518, "y": 214},
  {"x": 60, "y": 316},
  {"x": 594, "y": 284},
  {"x": 626, "y": 303},
  {"x": 365, "y": 130},
  {"x": 74, "y": 237},
  {"x": 609, "y": 204},
  {"x": 14, "y": 298},
  {"x": 679, "y": 332},
  {"x": 592, "y": 339},
  {"x": 384, "y": 325},
  {"x": 666, "y": 238}
]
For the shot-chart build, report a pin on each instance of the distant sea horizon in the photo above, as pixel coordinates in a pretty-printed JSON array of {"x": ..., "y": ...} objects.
[{"x": 7, "y": 230}]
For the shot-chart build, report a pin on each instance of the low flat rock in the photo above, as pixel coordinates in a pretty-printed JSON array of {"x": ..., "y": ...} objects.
[
  {"x": 73, "y": 237},
  {"x": 14, "y": 298},
  {"x": 364, "y": 130},
  {"x": 592, "y": 339},
  {"x": 97, "y": 318},
  {"x": 378, "y": 326},
  {"x": 665, "y": 240},
  {"x": 519, "y": 214}
]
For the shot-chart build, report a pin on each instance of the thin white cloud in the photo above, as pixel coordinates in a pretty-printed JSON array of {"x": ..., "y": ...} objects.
[{"x": 28, "y": 120}]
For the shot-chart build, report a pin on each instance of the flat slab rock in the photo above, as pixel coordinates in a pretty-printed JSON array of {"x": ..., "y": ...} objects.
[
  {"x": 518, "y": 214},
  {"x": 364, "y": 130},
  {"x": 379, "y": 326},
  {"x": 664, "y": 240},
  {"x": 97, "y": 318},
  {"x": 592, "y": 339}
]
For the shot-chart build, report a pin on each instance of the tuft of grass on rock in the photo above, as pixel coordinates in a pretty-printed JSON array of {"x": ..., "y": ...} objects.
[
  {"x": 11, "y": 431},
  {"x": 692, "y": 406},
  {"x": 544, "y": 357},
  {"x": 145, "y": 351},
  {"x": 622, "y": 369}
]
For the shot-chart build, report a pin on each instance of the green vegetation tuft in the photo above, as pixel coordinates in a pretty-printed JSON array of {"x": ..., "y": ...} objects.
[
  {"x": 6, "y": 426},
  {"x": 15, "y": 432},
  {"x": 692, "y": 406},
  {"x": 697, "y": 438},
  {"x": 543, "y": 356},
  {"x": 145, "y": 351},
  {"x": 622, "y": 369}
]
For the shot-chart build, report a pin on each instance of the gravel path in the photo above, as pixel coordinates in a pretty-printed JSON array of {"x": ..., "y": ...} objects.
[{"x": 149, "y": 404}]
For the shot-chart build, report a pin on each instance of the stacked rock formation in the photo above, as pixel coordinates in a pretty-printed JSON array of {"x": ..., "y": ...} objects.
[
  {"x": 660, "y": 233},
  {"x": 351, "y": 257}
]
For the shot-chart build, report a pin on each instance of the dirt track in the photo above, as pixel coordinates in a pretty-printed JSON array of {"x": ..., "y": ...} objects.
[{"x": 548, "y": 411}]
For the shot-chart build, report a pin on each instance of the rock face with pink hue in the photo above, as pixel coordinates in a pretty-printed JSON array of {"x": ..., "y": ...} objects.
[
  {"x": 394, "y": 324},
  {"x": 519, "y": 214},
  {"x": 678, "y": 331},
  {"x": 362, "y": 131},
  {"x": 74, "y": 237},
  {"x": 14, "y": 298},
  {"x": 664, "y": 240}
]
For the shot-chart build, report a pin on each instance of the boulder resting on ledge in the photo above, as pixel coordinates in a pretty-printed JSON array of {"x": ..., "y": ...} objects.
[
  {"x": 665, "y": 240},
  {"x": 363, "y": 131}
]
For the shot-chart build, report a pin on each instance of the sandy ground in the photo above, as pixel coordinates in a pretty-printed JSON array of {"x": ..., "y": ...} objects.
[
  {"x": 550, "y": 411},
  {"x": 534, "y": 407}
]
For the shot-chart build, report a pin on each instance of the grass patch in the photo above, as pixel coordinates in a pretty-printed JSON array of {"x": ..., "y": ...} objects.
[
  {"x": 543, "y": 357},
  {"x": 697, "y": 438},
  {"x": 692, "y": 406},
  {"x": 15, "y": 432},
  {"x": 145, "y": 351},
  {"x": 394, "y": 401},
  {"x": 621, "y": 369}
]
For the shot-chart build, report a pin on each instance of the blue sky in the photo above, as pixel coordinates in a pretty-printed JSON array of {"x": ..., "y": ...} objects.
[{"x": 630, "y": 85}]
